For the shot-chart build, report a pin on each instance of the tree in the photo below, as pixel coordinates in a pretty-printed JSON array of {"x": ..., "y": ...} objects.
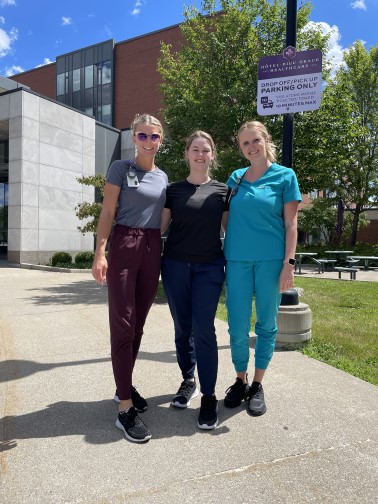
[
  {"x": 320, "y": 220},
  {"x": 344, "y": 154},
  {"x": 85, "y": 210},
  {"x": 211, "y": 82}
]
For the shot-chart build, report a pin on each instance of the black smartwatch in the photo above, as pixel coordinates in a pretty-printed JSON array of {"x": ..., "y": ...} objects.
[{"x": 291, "y": 261}]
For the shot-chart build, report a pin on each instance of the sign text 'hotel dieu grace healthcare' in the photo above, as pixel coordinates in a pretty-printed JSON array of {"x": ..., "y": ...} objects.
[{"x": 291, "y": 82}]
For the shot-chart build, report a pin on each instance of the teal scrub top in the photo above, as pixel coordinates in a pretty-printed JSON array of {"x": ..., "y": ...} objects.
[{"x": 256, "y": 228}]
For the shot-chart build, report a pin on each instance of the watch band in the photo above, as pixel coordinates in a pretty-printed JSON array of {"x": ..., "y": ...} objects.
[{"x": 290, "y": 261}]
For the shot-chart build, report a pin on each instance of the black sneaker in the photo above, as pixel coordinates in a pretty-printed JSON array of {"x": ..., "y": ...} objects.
[
  {"x": 208, "y": 415},
  {"x": 139, "y": 402},
  {"x": 236, "y": 393},
  {"x": 132, "y": 426},
  {"x": 187, "y": 391},
  {"x": 255, "y": 398}
]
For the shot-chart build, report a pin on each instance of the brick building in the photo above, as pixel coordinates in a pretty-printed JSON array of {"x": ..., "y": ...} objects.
[{"x": 110, "y": 81}]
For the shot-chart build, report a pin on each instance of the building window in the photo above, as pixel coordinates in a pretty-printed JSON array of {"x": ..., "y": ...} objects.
[
  {"x": 76, "y": 80},
  {"x": 106, "y": 72},
  {"x": 60, "y": 84},
  {"x": 105, "y": 114},
  {"x": 89, "y": 87},
  {"x": 106, "y": 96},
  {"x": 88, "y": 98},
  {"x": 76, "y": 100},
  {"x": 88, "y": 77}
]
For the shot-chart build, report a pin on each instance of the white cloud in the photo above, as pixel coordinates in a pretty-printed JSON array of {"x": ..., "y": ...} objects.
[
  {"x": 359, "y": 4},
  {"x": 6, "y": 41},
  {"x": 336, "y": 51},
  {"x": 108, "y": 29},
  {"x": 66, "y": 21},
  {"x": 46, "y": 61},
  {"x": 13, "y": 70},
  {"x": 4, "y": 3},
  {"x": 137, "y": 8},
  {"x": 2, "y": 20}
]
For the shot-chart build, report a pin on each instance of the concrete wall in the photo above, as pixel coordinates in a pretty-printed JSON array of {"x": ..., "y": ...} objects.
[
  {"x": 50, "y": 146},
  {"x": 127, "y": 145},
  {"x": 108, "y": 146}
]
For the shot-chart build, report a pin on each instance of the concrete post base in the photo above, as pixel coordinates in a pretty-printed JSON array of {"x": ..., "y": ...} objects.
[{"x": 294, "y": 325}]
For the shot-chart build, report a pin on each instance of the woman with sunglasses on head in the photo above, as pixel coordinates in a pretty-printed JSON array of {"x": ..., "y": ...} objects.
[
  {"x": 134, "y": 196},
  {"x": 260, "y": 248},
  {"x": 193, "y": 273}
]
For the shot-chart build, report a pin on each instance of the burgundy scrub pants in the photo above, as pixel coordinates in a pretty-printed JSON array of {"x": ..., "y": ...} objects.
[{"x": 132, "y": 280}]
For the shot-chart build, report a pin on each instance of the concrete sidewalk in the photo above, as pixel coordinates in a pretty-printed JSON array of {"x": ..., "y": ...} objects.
[{"x": 317, "y": 443}]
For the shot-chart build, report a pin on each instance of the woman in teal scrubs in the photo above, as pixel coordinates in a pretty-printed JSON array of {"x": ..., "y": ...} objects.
[{"x": 260, "y": 248}]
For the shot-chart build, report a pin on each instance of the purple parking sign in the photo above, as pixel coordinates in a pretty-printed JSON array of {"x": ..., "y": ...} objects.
[{"x": 290, "y": 82}]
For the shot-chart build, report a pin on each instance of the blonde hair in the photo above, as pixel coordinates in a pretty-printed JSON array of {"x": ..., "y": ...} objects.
[
  {"x": 146, "y": 119},
  {"x": 206, "y": 136},
  {"x": 258, "y": 126}
]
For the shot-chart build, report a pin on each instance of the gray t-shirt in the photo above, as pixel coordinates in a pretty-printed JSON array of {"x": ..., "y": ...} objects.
[{"x": 140, "y": 206}]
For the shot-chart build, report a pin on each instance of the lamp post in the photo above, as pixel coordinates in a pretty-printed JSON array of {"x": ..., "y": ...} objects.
[{"x": 288, "y": 120}]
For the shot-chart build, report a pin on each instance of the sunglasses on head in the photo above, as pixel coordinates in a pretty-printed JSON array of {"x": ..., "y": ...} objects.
[{"x": 142, "y": 137}]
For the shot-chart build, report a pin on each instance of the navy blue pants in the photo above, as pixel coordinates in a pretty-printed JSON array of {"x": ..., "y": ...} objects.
[{"x": 193, "y": 291}]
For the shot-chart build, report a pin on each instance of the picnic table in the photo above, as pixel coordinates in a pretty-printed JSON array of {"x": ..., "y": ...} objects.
[
  {"x": 338, "y": 253},
  {"x": 366, "y": 259},
  {"x": 300, "y": 256}
]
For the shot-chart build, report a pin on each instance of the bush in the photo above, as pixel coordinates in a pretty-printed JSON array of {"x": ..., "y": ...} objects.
[
  {"x": 59, "y": 258},
  {"x": 84, "y": 257}
]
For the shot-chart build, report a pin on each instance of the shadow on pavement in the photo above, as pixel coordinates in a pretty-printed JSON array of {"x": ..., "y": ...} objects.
[
  {"x": 15, "y": 369},
  {"x": 95, "y": 421},
  {"x": 82, "y": 292}
]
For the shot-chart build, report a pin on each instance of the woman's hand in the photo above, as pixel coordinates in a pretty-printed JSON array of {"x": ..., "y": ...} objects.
[
  {"x": 99, "y": 269},
  {"x": 287, "y": 277}
]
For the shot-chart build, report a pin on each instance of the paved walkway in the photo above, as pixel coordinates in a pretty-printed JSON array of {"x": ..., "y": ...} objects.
[{"x": 317, "y": 443}]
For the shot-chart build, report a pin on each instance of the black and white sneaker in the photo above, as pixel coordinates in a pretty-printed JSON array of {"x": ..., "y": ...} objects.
[
  {"x": 255, "y": 398},
  {"x": 139, "y": 402},
  {"x": 236, "y": 394},
  {"x": 133, "y": 427},
  {"x": 187, "y": 391},
  {"x": 208, "y": 416}
]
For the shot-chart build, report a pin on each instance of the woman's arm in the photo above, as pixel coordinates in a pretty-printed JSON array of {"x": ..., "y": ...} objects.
[
  {"x": 224, "y": 221},
  {"x": 105, "y": 223},
  {"x": 291, "y": 234},
  {"x": 165, "y": 219}
]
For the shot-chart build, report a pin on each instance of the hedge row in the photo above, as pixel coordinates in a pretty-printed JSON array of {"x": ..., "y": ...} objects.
[{"x": 83, "y": 260}]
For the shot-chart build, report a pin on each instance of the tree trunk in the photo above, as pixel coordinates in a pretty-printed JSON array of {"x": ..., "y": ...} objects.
[{"x": 356, "y": 218}]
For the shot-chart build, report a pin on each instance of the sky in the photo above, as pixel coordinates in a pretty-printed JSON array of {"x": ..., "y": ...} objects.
[{"x": 35, "y": 32}]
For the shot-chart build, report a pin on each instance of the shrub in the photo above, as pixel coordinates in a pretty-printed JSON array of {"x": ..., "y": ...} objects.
[
  {"x": 84, "y": 257},
  {"x": 61, "y": 258}
]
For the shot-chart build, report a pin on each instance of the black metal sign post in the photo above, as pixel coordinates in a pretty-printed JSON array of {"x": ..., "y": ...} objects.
[{"x": 288, "y": 120}]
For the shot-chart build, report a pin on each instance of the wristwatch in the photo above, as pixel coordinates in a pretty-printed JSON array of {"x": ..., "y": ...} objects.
[{"x": 290, "y": 261}]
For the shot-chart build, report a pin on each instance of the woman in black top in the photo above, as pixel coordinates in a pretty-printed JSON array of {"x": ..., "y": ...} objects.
[{"x": 193, "y": 273}]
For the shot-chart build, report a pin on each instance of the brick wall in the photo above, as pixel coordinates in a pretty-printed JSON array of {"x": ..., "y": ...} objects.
[
  {"x": 369, "y": 234},
  {"x": 41, "y": 80},
  {"x": 136, "y": 87}
]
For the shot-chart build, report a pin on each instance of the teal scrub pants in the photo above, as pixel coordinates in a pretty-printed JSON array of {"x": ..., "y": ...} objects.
[{"x": 243, "y": 280}]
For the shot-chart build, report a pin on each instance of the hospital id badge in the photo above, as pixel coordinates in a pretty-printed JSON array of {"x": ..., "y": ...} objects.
[{"x": 132, "y": 179}]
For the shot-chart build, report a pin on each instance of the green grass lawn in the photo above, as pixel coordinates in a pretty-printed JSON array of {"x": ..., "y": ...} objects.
[{"x": 344, "y": 326}]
